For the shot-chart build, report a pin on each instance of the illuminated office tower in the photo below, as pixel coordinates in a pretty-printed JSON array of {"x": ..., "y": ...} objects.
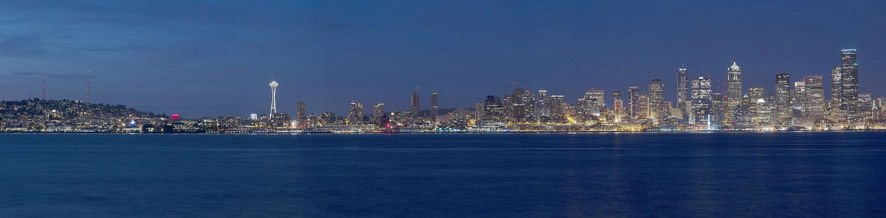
[
  {"x": 798, "y": 100},
  {"x": 815, "y": 100},
  {"x": 378, "y": 114},
  {"x": 849, "y": 83},
  {"x": 355, "y": 113},
  {"x": 519, "y": 103},
  {"x": 835, "y": 113},
  {"x": 542, "y": 105},
  {"x": 643, "y": 107},
  {"x": 718, "y": 107},
  {"x": 617, "y": 106},
  {"x": 758, "y": 105},
  {"x": 865, "y": 107},
  {"x": 683, "y": 90},
  {"x": 701, "y": 100},
  {"x": 492, "y": 108},
  {"x": 435, "y": 108},
  {"x": 415, "y": 102},
  {"x": 558, "y": 110},
  {"x": 733, "y": 92},
  {"x": 782, "y": 98},
  {"x": 633, "y": 101},
  {"x": 656, "y": 100},
  {"x": 273, "y": 86}
]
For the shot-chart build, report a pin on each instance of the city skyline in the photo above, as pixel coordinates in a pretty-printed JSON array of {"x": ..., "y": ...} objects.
[{"x": 160, "y": 58}]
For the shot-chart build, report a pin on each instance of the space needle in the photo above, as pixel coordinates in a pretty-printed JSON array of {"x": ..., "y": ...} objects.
[{"x": 273, "y": 85}]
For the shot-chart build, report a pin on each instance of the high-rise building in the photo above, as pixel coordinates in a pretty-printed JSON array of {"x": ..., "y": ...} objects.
[
  {"x": 701, "y": 94},
  {"x": 273, "y": 86},
  {"x": 435, "y": 108},
  {"x": 798, "y": 100},
  {"x": 492, "y": 108},
  {"x": 355, "y": 113},
  {"x": 733, "y": 92},
  {"x": 542, "y": 105},
  {"x": 378, "y": 114},
  {"x": 520, "y": 103},
  {"x": 416, "y": 106},
  {"x": 558, "y": 109},
  {"x": 656, "y": 100},
  {"x": 815, "y": 101},
  {"x": 849, "y": 83},
  {"x": 683, "y": 90},
  {"x": 301, "y": 115},
  {"x": 643, "y": 106},
  {"x": 718, "y": 107},
  {"x": 782, "y": 98},
  {"x": 758, "y": 107},
  {"x": 633, "y": 101},
  {"x": 617, "y": 107},
  {"x": 865, "y": 107}
]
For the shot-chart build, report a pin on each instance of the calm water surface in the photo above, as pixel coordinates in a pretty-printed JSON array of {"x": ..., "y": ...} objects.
[{"x": 585, "y": 175}]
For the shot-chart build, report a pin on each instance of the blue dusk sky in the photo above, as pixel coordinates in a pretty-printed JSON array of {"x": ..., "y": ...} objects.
[{"x": 210, "y": 58}]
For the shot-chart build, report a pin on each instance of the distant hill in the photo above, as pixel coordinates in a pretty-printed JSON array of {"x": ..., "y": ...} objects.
[{"x": 67, "y": 109}]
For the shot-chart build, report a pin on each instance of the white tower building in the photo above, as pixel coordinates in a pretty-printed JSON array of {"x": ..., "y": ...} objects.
[{"x": 273, "y": 85}]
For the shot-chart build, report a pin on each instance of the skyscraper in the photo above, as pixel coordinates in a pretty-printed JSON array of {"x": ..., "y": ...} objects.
[
  {"x": 656, "y": 98},
  {"x": 301, "y": 115},
  {"x": 633, "y": 101},
  {"x": 378, "y": 113},
  {"x": 759, "y": 106},
  {"x": 701, "y": 101},
  {"x": 733, "y": 93},
  {"x": 355, "y": 113},
  {"x": 798, "y": 99},
  {"x": 273, "y": 86},
  {"x": 435, "y": 108},
  {"x": 849, "y": 83},
  {"x": 815, "y": 102},
  {"x": 782, "y": 98},
  {"x": 416, "y": 106},
  {"x": 617, "y": 106},
  {"x": 683, "y": 90}
]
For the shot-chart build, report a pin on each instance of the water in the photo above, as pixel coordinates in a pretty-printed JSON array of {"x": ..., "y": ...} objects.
[{"x": 584, "y": 175}]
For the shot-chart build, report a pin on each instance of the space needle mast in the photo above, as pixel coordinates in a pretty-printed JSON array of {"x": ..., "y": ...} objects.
[{"x": 273, "y": 85}]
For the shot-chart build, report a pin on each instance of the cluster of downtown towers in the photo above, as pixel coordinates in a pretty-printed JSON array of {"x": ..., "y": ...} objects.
[{"x": 698, "y": 106}]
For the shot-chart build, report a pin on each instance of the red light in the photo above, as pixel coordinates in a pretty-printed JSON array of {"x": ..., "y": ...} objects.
[{"x": 175, "y": 116}]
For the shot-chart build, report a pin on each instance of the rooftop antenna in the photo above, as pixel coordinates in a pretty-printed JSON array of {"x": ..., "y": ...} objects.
[
  {"x": 44, "y": 88},
  {"x": 88, "y": 93},
  {"x": 88, "y": 81}
]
